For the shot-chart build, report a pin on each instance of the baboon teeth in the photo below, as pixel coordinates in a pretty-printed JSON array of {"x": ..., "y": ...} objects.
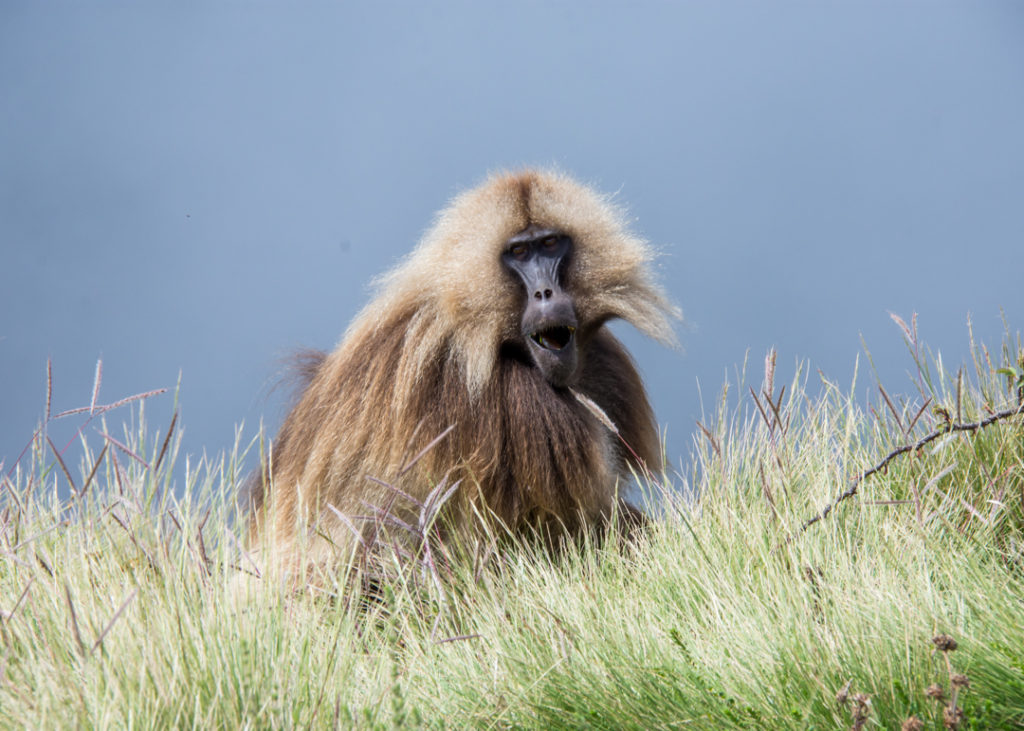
[{"x": 554, "y": 338}]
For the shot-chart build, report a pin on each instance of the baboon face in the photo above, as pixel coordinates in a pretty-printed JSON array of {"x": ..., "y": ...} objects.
[{"x": 537, "y": 257}]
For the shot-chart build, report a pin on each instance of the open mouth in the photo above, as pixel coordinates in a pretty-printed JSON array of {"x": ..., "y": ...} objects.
[{"x": 553, "y": 338}]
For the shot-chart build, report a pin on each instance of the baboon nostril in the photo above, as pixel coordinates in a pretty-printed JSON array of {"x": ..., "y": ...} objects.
[
  {"x": 547, "y": 294},
  {"x": 536, "y": 295}
]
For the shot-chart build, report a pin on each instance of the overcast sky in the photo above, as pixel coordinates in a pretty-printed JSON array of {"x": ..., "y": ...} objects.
[{"x": 203, "y": 187}]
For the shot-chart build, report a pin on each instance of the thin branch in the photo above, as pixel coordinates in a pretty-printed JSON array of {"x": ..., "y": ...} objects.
[{"x": 947, "y": 429}]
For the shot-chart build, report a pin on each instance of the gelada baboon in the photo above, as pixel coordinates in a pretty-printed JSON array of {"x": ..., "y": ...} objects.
[{"x": 491, "y": 333}]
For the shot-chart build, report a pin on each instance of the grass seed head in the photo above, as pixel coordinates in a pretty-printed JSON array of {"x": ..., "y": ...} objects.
[
  {"x": 952, "y": 716},
  {"x": 861, "y": 709},
  {"x": 912, "y": 724},
  {"x": 944, "y": 643},
  {"x": 935, "y": 691},
  {"x": 843, "y": 694}
]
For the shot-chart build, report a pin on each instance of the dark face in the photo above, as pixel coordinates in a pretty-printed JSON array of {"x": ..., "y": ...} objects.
[{"x": 538, "y": 257}]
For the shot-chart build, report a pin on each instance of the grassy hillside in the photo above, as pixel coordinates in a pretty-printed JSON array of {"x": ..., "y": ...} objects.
[{"x": 737, "y": 609}]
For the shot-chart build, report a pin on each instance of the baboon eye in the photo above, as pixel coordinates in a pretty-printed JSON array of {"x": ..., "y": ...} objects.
[
  {"x": 550, "y": 242},
  {"x": 519, "y": 251}
]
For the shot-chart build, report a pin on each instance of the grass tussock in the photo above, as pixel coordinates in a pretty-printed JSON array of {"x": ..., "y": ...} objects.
[{"x": 783, "y": 584}]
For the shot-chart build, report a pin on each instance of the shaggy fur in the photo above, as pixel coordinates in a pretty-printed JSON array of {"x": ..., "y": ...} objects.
[{"x": 440, "y": 346}]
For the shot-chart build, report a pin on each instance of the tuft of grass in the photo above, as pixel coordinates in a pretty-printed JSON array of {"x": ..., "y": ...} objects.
[{"x": 902, "y": 604}]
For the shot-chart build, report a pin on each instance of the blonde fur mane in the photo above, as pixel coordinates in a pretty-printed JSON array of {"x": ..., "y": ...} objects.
[{"x": 428, "y": 352}]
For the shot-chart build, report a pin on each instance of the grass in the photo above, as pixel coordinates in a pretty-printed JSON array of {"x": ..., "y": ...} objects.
[{"x": 120, "y": 607}]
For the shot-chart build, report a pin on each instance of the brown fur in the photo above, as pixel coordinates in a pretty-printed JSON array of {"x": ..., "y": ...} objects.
[{"x": 440, "y": 345}]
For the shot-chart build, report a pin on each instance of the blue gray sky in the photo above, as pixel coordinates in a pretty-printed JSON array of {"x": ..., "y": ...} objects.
[{"x": 200, "y": 188}]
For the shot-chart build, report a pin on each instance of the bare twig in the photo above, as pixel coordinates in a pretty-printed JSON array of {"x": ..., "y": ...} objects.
[{"x": 946, "y": 429}]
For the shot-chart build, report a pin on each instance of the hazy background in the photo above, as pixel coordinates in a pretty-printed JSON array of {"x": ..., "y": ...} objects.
[{"x": 201, "y": 188}]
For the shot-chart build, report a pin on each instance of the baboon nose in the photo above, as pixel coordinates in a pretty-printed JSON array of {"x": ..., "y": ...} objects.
[{"x": 545, "y": 295}]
